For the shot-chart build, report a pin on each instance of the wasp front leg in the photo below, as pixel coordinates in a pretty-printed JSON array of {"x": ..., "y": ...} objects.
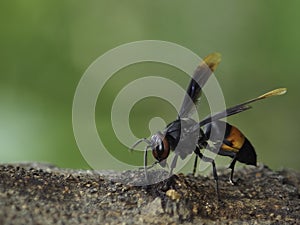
[
  {"x": 173, "y": 164},
  {"x": 145, "y": 164}
]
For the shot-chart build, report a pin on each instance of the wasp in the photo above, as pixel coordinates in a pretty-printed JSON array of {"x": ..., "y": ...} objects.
[{"x": 185, "y": 136}]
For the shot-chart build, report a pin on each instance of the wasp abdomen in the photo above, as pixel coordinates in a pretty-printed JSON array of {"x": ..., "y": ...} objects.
[{"x": 235, "y": 141}]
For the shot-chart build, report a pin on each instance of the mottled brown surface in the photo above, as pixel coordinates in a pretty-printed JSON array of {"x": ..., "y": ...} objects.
[{"x": 43, "y": 194}]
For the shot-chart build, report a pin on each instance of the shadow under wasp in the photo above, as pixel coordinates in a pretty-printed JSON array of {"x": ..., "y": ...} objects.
[{"x": 185, "y": 136}]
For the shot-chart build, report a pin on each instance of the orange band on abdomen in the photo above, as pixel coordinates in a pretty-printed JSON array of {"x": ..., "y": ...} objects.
[{"x": 236, "y": 138}]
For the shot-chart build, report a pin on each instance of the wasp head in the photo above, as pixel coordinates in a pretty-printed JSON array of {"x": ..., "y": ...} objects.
[{"x": 160, "y": 147}]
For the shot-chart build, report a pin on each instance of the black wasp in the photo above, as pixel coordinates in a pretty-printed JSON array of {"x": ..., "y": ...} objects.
[{"x": 185, "y": 136}]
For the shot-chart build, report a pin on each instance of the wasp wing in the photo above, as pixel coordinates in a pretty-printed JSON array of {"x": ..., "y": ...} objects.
[
  {"x": 200, "y": 77},
  {"x": 241, "y": 107},
  {"x": 228, "y": 112}
]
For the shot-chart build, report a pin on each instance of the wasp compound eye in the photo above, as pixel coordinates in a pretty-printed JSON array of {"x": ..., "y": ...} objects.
[{"x": 161, "y": 149}]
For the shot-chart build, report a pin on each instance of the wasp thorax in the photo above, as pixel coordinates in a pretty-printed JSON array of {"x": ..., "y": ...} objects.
[{"x": 160, "y": 146}]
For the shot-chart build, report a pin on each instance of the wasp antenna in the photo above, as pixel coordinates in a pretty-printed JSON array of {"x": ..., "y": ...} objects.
[
  {"x": 279, "y": 91},
  {"x": 138, "y": 142}
]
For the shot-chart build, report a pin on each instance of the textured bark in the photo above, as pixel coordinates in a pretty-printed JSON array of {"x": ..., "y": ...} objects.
[{"x": 44, "y": 194}]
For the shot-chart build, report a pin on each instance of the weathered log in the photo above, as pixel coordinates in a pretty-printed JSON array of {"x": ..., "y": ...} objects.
[{"x": 44, "y": 194}]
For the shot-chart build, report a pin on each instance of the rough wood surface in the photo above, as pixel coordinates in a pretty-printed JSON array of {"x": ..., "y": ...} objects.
[{"x": 44, "y": 194}]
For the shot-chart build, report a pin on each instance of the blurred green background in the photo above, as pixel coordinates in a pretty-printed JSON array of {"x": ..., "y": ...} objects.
[{"x": 45, "y": 47}]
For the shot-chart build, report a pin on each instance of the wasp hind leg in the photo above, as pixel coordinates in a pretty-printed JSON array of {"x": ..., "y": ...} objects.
[
  {"x": 232, "y": 164},
  {"x": 207, "y": 159},
  {"x": 195, "y": 165}
]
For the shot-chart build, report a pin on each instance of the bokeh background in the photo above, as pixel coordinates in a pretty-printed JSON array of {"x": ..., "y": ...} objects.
[{"x": 45, "y": 47}]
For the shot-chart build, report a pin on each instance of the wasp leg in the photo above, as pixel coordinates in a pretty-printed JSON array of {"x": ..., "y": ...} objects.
[
  {"x": 232, "y": 164},
  {"x": 195, "y": 165},
  {"x": 173, "y": 164},
  {"x": 207, "y": 159}
]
